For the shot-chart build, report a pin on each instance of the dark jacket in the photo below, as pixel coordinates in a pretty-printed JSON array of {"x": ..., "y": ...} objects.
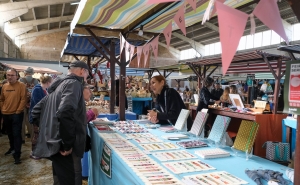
[
  {"x": 217, "y": 93},
  {"x": 62, "y": 118},
  {"x": 37, "y": 95},
  {"x": 204, "y": 98},
  {"x": 172, "y": 110}
]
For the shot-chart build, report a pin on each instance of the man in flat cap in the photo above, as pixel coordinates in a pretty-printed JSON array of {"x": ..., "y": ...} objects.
[{"x": 61, "y": 117}]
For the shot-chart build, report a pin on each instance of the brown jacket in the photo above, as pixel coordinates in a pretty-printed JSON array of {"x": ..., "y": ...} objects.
[{"x": 13, "y": 98}]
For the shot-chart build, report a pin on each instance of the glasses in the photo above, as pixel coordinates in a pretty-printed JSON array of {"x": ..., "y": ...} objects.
[{"x": 10, "y": 75}]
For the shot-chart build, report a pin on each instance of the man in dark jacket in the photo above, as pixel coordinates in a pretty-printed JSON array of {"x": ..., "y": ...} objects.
[{"x": 61, "y": 117}]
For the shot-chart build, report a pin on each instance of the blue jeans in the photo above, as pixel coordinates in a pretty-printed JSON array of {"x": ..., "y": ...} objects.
[{"x": 14, "y": 131}]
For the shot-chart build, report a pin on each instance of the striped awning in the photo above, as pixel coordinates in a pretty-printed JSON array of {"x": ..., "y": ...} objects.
[
  {"x": 21, "y": 68},
  {"x": 118, "y": 14}
]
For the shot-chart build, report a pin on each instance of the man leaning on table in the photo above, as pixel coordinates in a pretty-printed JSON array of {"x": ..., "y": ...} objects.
[{"x": 61, "y": 117}]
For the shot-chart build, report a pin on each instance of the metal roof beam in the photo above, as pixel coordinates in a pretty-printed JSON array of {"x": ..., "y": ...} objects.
[
  {"x": 211, "y": 26},
  {"x": 18, "y": 17},
  {"x": 195, "y": 45},
  {"x": 20, "y": 31},
  {"x": 9, "y": 15},
  {"x": 62, "y": 14},
  {"x": 29, "y": 35},
  {"x": 36, "y": 27},
  {"x": 39, "y": 22},
  {"x": 49, "y": 16}
]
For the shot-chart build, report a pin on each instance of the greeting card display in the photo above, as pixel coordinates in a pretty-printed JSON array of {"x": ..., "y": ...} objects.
[
  {"x": 187, "y": 166},
  {"x": 139, "y": 135},
  {"x": 246, "y": 136},
  {"x": 221, "y": 178},
  {"x": 219, "y": 128},
  {"x": 191, "y": 144},
  {"x": 148, "y": 140},
  {"x": 173, "y": 155},
  {"x": 181, "y": 122},
  {"x": 199, "y": 123},
  {"x": 212, "y": 153},
  {"x": 159, "y": 146}
]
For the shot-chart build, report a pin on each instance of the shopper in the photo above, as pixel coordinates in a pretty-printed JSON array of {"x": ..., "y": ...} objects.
[
  {"x": 217, "y": 91},
  {"x": 205, "y": 95},
  {"x": 38, "y": 93},
  {"x": 233, "y": 89},
  {"x": 225, "y": 99},
  {"x": 12, "y": 102},
  {"x": 30, "y": 82},
  {"x": 61, "y": 117},
  {"x": 169, "y": 103},
  {"x": 2, "y": 124}
]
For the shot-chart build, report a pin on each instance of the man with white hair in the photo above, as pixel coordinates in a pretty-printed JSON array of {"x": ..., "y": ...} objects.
[{"x": 61, "y": 117}]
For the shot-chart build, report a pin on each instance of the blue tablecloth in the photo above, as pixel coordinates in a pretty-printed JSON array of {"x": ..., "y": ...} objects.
[
  {"x": 293, "y": 124},
  {"x": 123, "y": 175},
  {"x": 128, "y": 116}
]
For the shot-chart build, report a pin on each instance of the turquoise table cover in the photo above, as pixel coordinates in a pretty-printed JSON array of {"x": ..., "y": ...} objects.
[
  {"x": 293, "y": 124},
  {"x": 123, "y": 175}
]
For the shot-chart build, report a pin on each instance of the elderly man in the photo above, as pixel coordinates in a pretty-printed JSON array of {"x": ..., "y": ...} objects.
[
  {"x": 217, "y": 91},
  {"x": 30, "y": 82},
  {"x": 61, "y": 117},
  {"x": 12, "y": 102}
]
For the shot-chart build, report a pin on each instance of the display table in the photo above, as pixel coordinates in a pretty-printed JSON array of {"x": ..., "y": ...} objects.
[
  {"x": 123, "y": 174},
  {"x": 128, "y": 116},
  {"x": 138, "y": 104},
  {"x": 289, "y": 128}
]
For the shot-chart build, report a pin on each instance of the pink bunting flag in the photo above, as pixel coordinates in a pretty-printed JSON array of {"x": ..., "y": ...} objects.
[
  {"x": 160, "y": 1},
  {"x": 154, "y": 45},
  {"x": 214, "y": 9},
  {"x": 268, "y": 12},
  {"x": 232, "y": 24},
  {"x": 168, "y": 33},
  {"x": 127, "y": 50},
  {"x": 193, "y": 4},
  {"x": 121, "y": 43},
  {"x": 146, "y": 49},
  {"x": 139, "y": 51},
  {"x": 179, "y": 19},
  {"x": 132, "y": 47}
]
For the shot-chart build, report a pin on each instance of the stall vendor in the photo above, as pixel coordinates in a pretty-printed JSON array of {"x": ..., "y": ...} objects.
[{"x": 169, "y": 103}]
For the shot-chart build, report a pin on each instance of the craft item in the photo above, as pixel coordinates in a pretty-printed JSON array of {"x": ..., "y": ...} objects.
[
  {"x": 181, "y": 122},
  {"x": 221, "y": 178},
  {"x": 170, "y": 136},
  {"x": 187, "y": 166},
  {"x": 167, "y": 129},
  {"x": 246, "y": 136},
  {"x": 139, "y": 135},
  {"x": 148, "y": 140},
  {"x": 173, "y": 155},
  {"x": 219, "y": 128},
  {"x": 191, "y": 144},
  {"x": 212, "y": 153},
  {"x": 199, "y": 123},
  {"x": 159, "y": 146}
]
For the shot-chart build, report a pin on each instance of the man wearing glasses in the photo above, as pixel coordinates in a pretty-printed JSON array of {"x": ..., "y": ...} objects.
[
  {"x": 61, "y": 117},
  {"x": 13, "y": 100}
]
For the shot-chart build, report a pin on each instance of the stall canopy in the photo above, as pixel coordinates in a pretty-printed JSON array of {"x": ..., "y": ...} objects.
[
  {"x": 129, "y": 15},
  {"x": 36, "y": 69}
]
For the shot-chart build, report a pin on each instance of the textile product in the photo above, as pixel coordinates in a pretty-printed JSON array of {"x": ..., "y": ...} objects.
[
  {"x": 277, "y": 151},
  {"x": 246, "y": 136},
  {"x": 219, "y": 128},
  {"x": 199, "y": 123},
  {"x": 268, "y": 175}
]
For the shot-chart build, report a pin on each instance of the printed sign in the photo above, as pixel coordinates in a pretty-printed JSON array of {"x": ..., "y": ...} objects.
[
  {"x": 292, "y": 88},
  {"x": 105, "y": 163}
]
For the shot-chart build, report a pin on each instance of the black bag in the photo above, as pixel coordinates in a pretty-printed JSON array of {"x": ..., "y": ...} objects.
[{"x": 88, "y": 144}]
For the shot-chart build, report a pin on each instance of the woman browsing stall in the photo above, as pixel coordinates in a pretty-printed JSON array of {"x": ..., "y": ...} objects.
[
  {"x": 168, "y": 103},
  {"x": 225, "y": 99}
]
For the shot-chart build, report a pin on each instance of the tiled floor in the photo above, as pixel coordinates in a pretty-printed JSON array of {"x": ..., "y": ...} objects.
[{"x": 29, "y": 172}]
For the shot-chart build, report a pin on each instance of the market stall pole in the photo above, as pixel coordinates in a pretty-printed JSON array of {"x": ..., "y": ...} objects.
[{"x": 112, "y": 101}]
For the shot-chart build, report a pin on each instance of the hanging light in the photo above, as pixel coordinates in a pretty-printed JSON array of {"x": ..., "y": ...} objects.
[{"x": 141, "y": 31}]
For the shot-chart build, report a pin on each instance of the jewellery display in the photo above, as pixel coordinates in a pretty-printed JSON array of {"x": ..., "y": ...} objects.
[
  {"x": 219, "y": 178},
  {"x": 212, "y": 153},
  {"x": 191, "y": 144},
  {"x": 173, "y": 155},
  {"x": 159, "y": 146},
  {"x": 187, "y": 166}
]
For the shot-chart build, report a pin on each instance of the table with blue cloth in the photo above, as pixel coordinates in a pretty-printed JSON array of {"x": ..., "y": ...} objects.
[
  {"x": 128, "y": 116},
  {"x": 138, "y": 104},
  {"x": 289, "y": 129},
  {"x": 122, "y": 174}
]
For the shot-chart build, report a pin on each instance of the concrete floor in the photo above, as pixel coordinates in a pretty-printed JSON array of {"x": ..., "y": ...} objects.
[{"x": 29, "y": 172}]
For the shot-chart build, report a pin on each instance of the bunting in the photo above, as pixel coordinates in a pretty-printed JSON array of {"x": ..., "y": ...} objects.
[
  {"x": 139, "y": 51},
  {"x": 193, "y": 4},
  {"x": 179, "y": 19},
  {"x": 154, "y": 45},
  {"x": 146, "y": 53},
  {"x": 168, "y": 33}
]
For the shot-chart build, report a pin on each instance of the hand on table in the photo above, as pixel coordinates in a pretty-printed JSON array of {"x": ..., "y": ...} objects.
[
  {"x": 65, "y": 153},
  {"x": 152, "y": 113},
  {"x": 95, "y": 111}
]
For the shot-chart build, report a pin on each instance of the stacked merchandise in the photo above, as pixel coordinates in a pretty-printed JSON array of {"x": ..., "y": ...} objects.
[
  {"x": 199, "y": 123},
  {"x": 212, "y": 153},
  {"x": 219, "y": 128}
]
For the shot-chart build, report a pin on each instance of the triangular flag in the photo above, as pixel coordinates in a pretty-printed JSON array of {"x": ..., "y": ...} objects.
[
  {"x": 127, "y": 50},
  {"x": 121, "y": 43},
  {"x": 193, "y": 4},
  {"x": 168, "y": 33},
  {"x": 159, "y": 1},
  {"x": 232, "y": 24},
  {"x": 206, "y": 14},
  {"x": 267, "y": 11},
  {"x": 146, "y": 53},
  {"x": 215, "y": 10},
  {"x": 139, "y": 51},
  {"x": 154, "y": 45},
  {"x": 132, "y": 47},
  {"x": 179, "y": 19}
]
